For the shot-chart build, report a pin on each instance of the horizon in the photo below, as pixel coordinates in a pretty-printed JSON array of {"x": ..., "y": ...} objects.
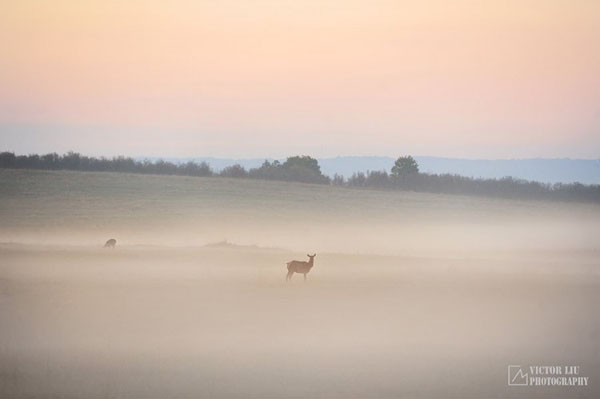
[{"x": 544, "y": 170}]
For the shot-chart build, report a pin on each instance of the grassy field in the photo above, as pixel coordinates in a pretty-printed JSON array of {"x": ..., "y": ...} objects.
[
  {"x": 86, "y": 208},
  {"x": 412, "y": 295}
]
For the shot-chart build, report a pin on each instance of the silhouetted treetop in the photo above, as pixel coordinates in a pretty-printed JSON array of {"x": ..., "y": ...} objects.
[
  {"x": 297, "y": 168},
  {"x": 303, "y": 162},
  {"x": 405, "y": 166}
]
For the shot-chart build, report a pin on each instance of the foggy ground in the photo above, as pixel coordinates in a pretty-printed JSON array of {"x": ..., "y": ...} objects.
[{"x": 412, "y": 295}]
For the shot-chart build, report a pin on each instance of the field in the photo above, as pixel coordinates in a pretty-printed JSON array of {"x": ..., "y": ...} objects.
[{"x": 412, "y": 295}]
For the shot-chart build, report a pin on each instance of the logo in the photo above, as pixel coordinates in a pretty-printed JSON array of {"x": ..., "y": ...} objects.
[
  {"x": 548, "y": 376},
  {"x": 517, "y": 377}
]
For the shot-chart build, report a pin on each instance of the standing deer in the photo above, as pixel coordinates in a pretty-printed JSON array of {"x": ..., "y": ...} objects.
[
  {"x": 110, "y": 243},
  {"x": 298, "y": 266}
]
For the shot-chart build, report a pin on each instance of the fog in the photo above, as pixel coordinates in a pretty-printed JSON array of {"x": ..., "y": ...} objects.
[
  {"x": 411, "y": 295},
  {"x": 73, "y": 208}
]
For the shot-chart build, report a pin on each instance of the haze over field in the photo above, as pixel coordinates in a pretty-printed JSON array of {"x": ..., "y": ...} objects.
[
  {"x": 45, "y": 207},
  {"x": 411, "y": 295}
]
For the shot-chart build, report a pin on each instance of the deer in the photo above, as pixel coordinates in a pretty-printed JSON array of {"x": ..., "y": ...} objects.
[
  {"x": 110, "y": 243},
  {"x": 298, "y": 266}
]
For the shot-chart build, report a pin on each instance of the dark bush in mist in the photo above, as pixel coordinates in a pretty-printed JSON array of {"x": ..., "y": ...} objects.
[
  {"x": 338, "y": 180},
  {"x": 298, "y": 168},
  {"x": 234, "y": 171}
]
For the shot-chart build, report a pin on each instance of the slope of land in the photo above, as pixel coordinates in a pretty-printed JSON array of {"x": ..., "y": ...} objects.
[
  {"x": 412, "y": 295},
  {"x": 74, "y": 207}
]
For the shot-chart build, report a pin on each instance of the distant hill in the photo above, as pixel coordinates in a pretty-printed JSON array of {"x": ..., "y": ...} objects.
[{"x": 562, "y": 170}]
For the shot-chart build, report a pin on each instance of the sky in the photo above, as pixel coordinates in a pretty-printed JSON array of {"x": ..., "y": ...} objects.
[{"x": 271, "y": 78}]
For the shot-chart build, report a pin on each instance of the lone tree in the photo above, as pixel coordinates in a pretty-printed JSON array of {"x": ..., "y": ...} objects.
[
  {"x": 305, "y": 169},
  {"x": 303, "y": 162},
  {"x": 405, "y": 166}
]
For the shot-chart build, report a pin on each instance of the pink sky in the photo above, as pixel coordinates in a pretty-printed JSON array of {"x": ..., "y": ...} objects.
[{"x": 476, "y": 79}]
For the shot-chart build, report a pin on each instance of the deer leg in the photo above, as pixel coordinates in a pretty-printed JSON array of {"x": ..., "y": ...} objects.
[
  {"x": 289, "y": 275},
  {"x": 305, "y": 277}
]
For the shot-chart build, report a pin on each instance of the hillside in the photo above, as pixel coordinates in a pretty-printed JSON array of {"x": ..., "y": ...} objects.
[
  {"x": 193, "y": 301},
  {"x": 52, "y": 206}
]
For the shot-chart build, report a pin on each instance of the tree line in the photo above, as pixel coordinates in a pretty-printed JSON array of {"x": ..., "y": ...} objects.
[{"x": 404, "y": 175}]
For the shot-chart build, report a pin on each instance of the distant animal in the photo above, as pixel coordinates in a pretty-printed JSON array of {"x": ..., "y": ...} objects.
[
  {"x": 298, "y": 266},
  {"x": 110, "y": 243}
]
